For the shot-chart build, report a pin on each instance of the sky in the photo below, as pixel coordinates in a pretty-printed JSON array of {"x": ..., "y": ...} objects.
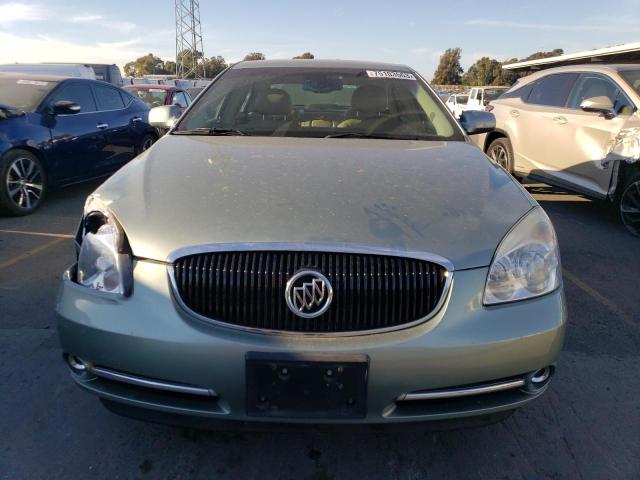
[{"x": 409, "y": 32}]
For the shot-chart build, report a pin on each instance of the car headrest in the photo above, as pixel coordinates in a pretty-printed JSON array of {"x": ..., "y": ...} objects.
[
  {"x": 272, "y": 102},
  {"x": 369, "y": 100}
]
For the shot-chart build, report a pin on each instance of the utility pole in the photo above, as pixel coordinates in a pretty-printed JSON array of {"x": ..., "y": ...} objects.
[{"x": 189, "y": 40}]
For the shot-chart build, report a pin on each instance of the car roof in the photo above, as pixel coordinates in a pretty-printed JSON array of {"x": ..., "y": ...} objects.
[
  {"x": 148, "y": 86},
  {"x": 586, "y": 67},
  {"x": 36, "y": 76},
  {"x": 320, "y": 64}
]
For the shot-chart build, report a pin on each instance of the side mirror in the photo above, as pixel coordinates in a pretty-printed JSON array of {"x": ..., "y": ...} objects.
[
  {"x": 602, "y": 105},
  {"x": 164, "y": 117},
  {"x": 475, "y": 122},
  {"x": 65, "y": 107}
]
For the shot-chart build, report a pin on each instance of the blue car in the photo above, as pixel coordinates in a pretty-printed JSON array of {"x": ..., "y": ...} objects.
[{"x": 57, "y": 131}]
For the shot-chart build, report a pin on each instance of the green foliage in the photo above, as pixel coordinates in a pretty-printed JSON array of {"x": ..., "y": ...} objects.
[
  {"x": 214, "y": 65},
  {"x": 152, "y": 65},
  {"x": 449, "y": 70},
  {"x": 147, "y": 65},
  {"x": 305, "y": 56},
  {"x": 254, "y": 56},
  {"x": 538, "y": 55}
]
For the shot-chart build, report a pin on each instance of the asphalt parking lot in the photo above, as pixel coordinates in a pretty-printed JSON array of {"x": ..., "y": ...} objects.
[{"x": 586, "y": 426}]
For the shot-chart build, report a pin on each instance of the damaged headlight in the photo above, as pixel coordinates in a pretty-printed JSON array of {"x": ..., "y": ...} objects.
[
  {"x": 526, "y": 263},
  {"x": 104, "y": 259}
]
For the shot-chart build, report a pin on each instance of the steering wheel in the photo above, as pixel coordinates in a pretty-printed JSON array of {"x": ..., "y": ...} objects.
[{"x": 399, "y": 121}]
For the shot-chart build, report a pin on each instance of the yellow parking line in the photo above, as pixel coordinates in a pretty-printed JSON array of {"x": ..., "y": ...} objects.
[
  {"x": 38, "y": 234},
  {"x": 598, "y": 297},
  {"x": 31, "y": 253}
]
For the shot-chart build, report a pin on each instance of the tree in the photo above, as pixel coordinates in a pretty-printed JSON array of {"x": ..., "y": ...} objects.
[
  {"x": 192, "y": 61},
  {"x": 214, "y": 65},
  {"x": 254, "y": 56},
  {"x": 147, "y": 65},
  {"x": 536, "y": 56},
  {"x": 170, "y": 67},
  {"x": 305, "y": 56},
  {"x": 486, "y": 71},
  {"x": 449, "y": 69}
]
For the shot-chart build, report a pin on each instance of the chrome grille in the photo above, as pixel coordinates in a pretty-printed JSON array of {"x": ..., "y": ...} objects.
[{"x": 247, "y": 289}]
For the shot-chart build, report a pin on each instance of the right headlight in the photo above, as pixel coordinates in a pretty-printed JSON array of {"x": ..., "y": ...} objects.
[{"x": 526, "y": 263}]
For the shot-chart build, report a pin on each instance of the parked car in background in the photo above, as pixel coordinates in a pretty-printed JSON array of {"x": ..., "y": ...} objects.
[
  {"x": 76, "y": 70},
  {"x": 457, "y": 103},
  {"x": 194, "y": 91},
  {"x": 479, "y": 97},
  {"x": 156, "y": 95},
  {"x": 557, "y": 126},
  {"x": 314, "y": 241},
  {"x": 56, "y": 131},
  {"x": 109, "y": 73}
]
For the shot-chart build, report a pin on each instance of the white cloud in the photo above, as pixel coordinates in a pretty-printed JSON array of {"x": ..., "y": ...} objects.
[
  {"x": 20, "y": 12},
  {"x": 86, "y": 18},
  {"x": 30, "y": 49},
  {"x": 104, "y": 22}
]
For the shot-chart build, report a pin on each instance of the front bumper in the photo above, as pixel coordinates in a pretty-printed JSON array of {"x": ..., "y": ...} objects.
[{"x": 148, "y": 337}]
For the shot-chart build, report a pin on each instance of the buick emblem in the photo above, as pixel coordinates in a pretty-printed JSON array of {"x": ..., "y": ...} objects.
[{"x": 308, "y": 294}]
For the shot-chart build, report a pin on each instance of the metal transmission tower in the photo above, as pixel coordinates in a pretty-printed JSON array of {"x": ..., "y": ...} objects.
[{"x": 189, "y": 39}]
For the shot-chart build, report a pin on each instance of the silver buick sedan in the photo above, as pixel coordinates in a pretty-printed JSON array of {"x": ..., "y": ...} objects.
[{"x": 314, "y": 241}]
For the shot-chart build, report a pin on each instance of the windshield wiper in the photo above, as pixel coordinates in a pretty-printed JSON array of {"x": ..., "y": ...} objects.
[
  {"x": 210, "y": 131},
  {"x": 365, "y": 135}
]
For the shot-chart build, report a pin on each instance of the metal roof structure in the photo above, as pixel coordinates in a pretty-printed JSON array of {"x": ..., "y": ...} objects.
[{"x": 626, "y": 53}]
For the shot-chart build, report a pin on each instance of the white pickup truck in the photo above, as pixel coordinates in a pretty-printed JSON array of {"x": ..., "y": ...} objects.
[
  {"x": 479, "y": 97},
  {"x": 457, "y": 103}
]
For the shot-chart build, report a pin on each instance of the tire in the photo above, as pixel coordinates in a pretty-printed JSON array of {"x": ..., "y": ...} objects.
[
  {"x": 146, "y": 143},
  {"x": 23, "y": 183},
  {"x": 630, "y": 204},
  {"x": 501, "y": 152}
]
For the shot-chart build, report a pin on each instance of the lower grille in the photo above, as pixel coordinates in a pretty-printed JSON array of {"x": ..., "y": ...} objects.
[{"x": 370, "y": 292}]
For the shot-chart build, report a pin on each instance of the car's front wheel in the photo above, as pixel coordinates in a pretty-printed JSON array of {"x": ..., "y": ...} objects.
[
  {"x": 500, "y": 151},
  {"x": 630, "y": 205},
  {"x": 23, "y": 183}
]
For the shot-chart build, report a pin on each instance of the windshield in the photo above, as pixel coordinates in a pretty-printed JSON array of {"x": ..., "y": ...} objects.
[
  {"x": 632, "y": 77},
  {"x": 153, "y": 97},
  {"x": 309, "y": 102},
  {"x": 24, "y": 94}
]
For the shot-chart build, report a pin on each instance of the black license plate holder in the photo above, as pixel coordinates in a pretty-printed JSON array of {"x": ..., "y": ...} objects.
[{"x": 306, "y": 385}]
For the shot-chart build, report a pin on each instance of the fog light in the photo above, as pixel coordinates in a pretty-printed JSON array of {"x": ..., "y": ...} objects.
[
  {"x": 541, "y": 376},
  {"x": 76, "y": 363}
]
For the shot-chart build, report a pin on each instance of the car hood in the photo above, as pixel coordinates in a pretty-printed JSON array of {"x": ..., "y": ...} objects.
[
  {"x": 9, "y": 111},
  {"x": 442, "y": 198}
]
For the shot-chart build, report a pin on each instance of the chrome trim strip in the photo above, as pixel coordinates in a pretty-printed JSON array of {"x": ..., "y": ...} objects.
[
  {"x": 149, "y": 383},
  {"x": 312, "y": 247},
  {"x": 328, "y": 247},
  {"x": 460, "y": 392}
]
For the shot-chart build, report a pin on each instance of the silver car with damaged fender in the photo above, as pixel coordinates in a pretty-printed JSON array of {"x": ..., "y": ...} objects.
[{"x": 314, "y": 241}]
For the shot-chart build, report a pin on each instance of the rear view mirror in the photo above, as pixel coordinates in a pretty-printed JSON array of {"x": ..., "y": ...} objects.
[
  {"x": 322, "y": 84},
  {"x": 602, "y": 105},
  {"x": 475, "y": 122},
  {"x": 164, "y": 117},
  {"x": 65, "y": 107}
]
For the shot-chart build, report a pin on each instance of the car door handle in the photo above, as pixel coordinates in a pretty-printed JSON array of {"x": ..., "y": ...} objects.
[
  {"x": 136, "y": 119},
  {"x": 560, "y": 120},
  {"x": 102, "y": 126},
  {"x": 515, "y": 113}
]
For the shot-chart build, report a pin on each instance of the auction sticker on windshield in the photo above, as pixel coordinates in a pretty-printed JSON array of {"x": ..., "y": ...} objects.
[{"x": 389, "y": 74}]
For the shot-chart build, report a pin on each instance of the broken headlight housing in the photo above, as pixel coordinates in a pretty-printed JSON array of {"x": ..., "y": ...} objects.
[
  {"x": 104, "y": 257},
  {"x": 526, "y": 263}
]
